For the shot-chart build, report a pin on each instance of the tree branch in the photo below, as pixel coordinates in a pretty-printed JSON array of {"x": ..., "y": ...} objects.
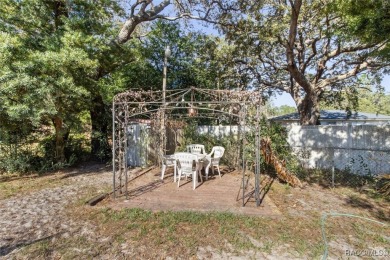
[
  {"x": 291, "y": 65},
  {"x": 154, "y": 12},
  {"x": 353, "y": 72},
  {"x": 142, "y": 16}
]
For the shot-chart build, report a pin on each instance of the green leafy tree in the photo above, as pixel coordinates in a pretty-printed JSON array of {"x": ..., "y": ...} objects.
[
  {"x": 96, "y": 25},
  {"x": 367, "y": 19},
  {"x": 39, "y": 76},
  {"x": 367, "y": 97},
  {"x": 196, "y": 60},
  {"x": 284, "y": 109},
  {"x": 374, "y": 102},
  {"x": 302, "y": 48},
  {"x": 56, "y": 57}
]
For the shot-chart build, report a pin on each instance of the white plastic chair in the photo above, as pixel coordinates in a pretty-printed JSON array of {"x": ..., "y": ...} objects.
[
  {"x": 187, "y": 165},
  {"x": 196, "y": 148},
  {"x": 168, "y": 161},
  {"x": 213, "y": 159}
]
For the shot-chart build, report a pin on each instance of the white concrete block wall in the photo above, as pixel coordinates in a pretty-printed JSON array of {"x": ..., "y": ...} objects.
[
  {"x": 219, "y": 130},
  {"x": 364, "y": 149}
]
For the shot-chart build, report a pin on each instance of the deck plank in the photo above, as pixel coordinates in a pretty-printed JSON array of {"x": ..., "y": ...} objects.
[{"x": 214, "y": 195}]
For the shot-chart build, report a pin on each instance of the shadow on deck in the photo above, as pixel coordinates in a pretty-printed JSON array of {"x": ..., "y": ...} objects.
[{"x": 213, "y": 195}]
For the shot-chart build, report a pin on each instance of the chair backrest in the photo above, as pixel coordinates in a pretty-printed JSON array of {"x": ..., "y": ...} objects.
[
  {"x": 196, "y": 148},
  {"x": 186, "y": 161},
  {"x": 167, "y": 159},
  {"x": 218, "y": 151}
]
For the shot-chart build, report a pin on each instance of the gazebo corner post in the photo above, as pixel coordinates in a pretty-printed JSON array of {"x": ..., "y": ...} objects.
[
  {"x": 243, "y": 124},
  {"x": 167, "y": 54},
  {"x": 258, "y": 165},
  {"x": 161, "y": 123},
  {"x": 113, "y": 149},
  {"x": 162, "y": 126},
  {"x": 126, "y": 148},
  {"x": 120, "y": 154}
]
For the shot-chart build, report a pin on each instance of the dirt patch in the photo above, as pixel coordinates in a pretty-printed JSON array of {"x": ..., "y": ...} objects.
[
  {"x": 315, "y": 198},
  {"x": 40, "y": 213},
  {"x": 49, "y": 219}
]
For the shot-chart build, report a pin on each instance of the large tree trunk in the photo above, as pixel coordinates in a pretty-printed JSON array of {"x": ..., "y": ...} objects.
[
  {"x": 308, "y": 107},
  {"x": 61, "y": 134},
  {"x": 309, "y": 110},
  {"x": 100, "y": 148}
]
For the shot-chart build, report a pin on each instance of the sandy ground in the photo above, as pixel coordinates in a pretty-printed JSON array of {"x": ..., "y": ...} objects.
[
  {"x": 38, "y": 215},
  {"x": 43, "y": 214}
]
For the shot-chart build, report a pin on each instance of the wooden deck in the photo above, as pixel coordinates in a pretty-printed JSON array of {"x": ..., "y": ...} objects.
[{"x": 216, "y": 194}]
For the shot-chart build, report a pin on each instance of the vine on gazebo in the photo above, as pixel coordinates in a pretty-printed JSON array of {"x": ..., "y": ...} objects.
[{"x": 182, "y": 105}]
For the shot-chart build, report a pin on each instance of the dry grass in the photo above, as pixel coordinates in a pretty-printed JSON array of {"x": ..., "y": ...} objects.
[
  {"x": 136, "y": 233},
  {"x": 12, "y": 184},
  {"x": 141, "y": 233}
]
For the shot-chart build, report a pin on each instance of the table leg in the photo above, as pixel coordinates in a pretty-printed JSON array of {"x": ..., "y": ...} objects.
[{"x": 174, "y": 171}]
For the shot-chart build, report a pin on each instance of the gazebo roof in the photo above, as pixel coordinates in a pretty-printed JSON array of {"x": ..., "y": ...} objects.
[
  {"x": 174, "y": 95},
  {"x": 207, "y": 103}
]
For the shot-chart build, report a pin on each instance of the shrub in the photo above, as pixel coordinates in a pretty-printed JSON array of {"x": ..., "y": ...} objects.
[{"x": 29, "y": 156}]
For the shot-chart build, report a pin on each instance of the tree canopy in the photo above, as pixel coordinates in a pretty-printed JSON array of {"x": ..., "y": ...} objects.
[
  {"x": 61, "y": 66},
  {"x": 55, "y": 55},
  {"x": 304, "y": 49},
  {"x": 309, "y": 49},
  {"x": 64, "y": 60}
]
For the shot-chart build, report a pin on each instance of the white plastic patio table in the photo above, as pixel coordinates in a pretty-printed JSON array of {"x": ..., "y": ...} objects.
[{"x": 198, "y": 165}]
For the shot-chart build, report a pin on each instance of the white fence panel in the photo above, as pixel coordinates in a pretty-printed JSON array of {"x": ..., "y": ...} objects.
[{"x": 363, "y": 149}]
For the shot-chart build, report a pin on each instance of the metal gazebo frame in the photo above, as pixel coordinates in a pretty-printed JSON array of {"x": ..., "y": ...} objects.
[{"x": 145, "y": 105}]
